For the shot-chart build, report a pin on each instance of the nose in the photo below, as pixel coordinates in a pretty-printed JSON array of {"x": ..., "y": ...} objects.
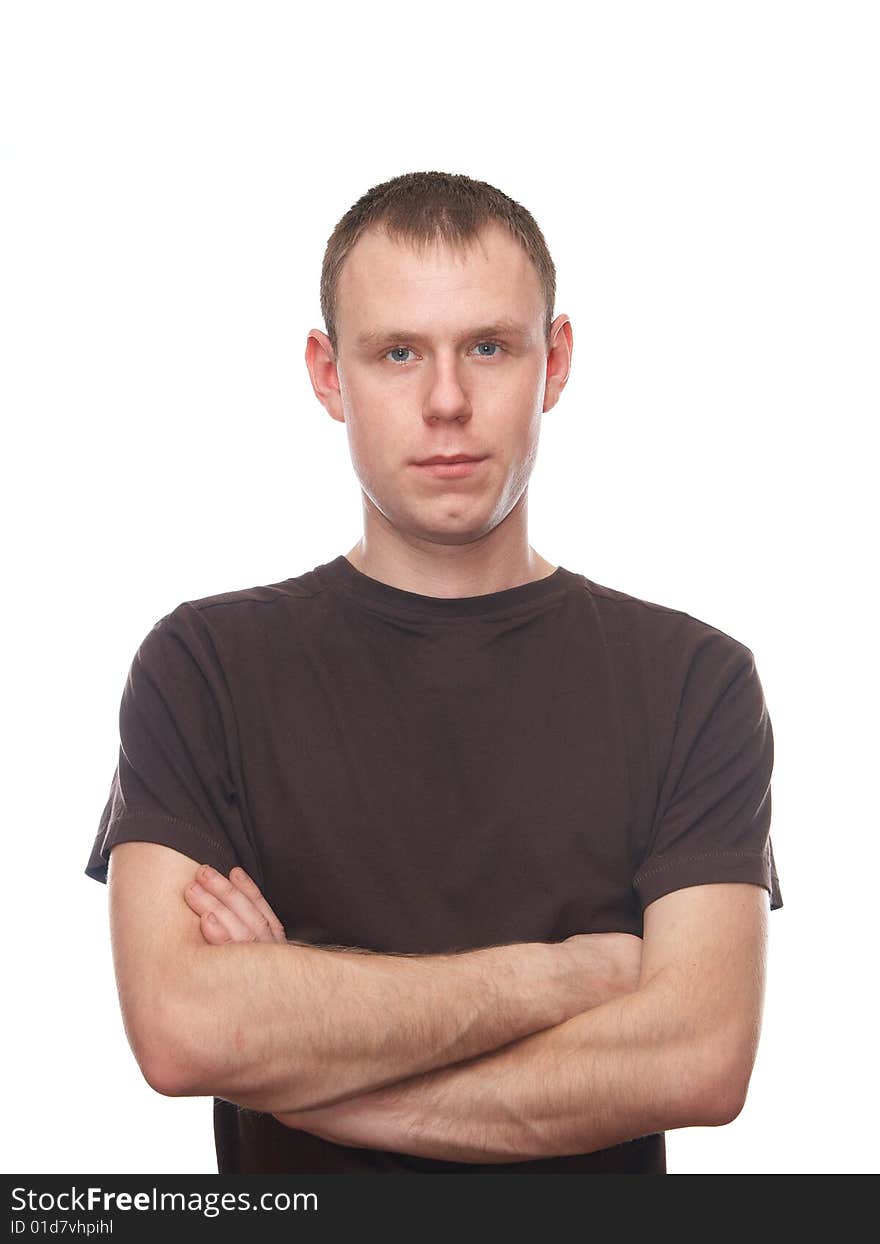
[{"x": 446, "y": 397}]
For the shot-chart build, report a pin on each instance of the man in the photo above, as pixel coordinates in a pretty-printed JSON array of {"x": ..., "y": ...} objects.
[{"x": 490, "y": 841}]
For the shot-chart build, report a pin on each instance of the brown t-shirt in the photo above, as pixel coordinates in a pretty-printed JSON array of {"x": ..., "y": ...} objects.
[{"x": 422, "y": 775}]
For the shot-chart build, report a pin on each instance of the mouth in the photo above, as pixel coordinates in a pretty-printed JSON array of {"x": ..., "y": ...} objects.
[{"x": 453, "y": 467}]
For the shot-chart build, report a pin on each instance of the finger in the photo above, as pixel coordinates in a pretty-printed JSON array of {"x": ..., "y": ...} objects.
[
  {"x": 250, "y": 888},
  {"x": 203, "y": 902},
  {"x": 232, "y": 898},
  {"x": 213, "y": 931},
  {"x": 225, "y": 925},
  {"x": 235, "y": 900}
]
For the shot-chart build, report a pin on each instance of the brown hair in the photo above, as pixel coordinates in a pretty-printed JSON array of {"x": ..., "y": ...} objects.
[{"x": 424, "y": 207}]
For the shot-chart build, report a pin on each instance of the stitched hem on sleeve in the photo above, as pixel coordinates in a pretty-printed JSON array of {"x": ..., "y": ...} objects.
[
  {"x": 168, "y": 831},
  {"x": 711, "y": 867}
]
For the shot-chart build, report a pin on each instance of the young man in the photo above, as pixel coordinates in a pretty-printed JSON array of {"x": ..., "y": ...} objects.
[{"x": 490, "y": 841}]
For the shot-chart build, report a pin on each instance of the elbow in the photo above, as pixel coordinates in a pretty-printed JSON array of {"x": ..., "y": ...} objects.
[
  {"x": 721, "y": 1105},
  {"x": 170, "y": 1059},
  {"x": 708, "y": 1089},
  {"x": 164, "y": 1075},
  {"x": 724, "y": 1094},
  {"x": 167, "y": 1074},
  {"x": 723, "y": 1108},
  {"x": 181, "y": 1056}
]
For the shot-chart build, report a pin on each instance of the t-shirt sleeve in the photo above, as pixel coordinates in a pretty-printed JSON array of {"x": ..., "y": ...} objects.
[
  {"x": 173, "y": 782},
  {"x": 713, "y": 816}
]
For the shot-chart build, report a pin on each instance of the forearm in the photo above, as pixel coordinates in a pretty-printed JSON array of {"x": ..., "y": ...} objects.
[
  {"x": 280, "y": 1027},
  {"x": 621, "y": 1070}
]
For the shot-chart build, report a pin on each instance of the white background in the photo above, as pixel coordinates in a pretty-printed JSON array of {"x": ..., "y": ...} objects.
[{"x": 706, "y": 177}]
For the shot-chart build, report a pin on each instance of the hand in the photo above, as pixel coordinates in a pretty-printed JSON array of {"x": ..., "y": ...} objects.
[
  {"x": 612, "y": 963},
  {"x": 231, "y": 909}
]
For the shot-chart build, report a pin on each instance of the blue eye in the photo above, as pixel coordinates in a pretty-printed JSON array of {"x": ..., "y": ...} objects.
[{"x": 398, "y": 350}]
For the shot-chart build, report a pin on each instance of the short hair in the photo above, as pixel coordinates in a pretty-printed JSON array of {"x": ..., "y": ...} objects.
[{"x": 422, "y": 207}]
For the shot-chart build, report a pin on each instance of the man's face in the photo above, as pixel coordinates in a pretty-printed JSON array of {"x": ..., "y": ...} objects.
[{"x": 441, "y": 353}]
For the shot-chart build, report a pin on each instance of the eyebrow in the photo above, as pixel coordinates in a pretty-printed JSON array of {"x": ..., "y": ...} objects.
[{"x": 500, "y": 328}]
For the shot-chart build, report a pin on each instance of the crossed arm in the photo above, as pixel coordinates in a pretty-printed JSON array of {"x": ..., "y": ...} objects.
[{"x": 675, "y": 1051}]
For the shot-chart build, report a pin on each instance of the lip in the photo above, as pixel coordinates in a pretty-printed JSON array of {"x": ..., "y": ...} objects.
[{"x": 452, "y": 468}]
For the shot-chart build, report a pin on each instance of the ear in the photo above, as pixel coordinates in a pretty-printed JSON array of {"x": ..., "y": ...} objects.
[
  {"x": 321, "y": 363},
  {"x": 558, "y": 360}
]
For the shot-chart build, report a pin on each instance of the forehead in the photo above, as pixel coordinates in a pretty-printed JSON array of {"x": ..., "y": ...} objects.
[{"x": 385, "y": 281}]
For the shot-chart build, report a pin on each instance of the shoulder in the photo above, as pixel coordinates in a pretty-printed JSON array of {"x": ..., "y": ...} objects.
[
  {"x": 668, "y": 640},
  {"x": 222, "y": 605},
  {"x": 242, "y": 614}
]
